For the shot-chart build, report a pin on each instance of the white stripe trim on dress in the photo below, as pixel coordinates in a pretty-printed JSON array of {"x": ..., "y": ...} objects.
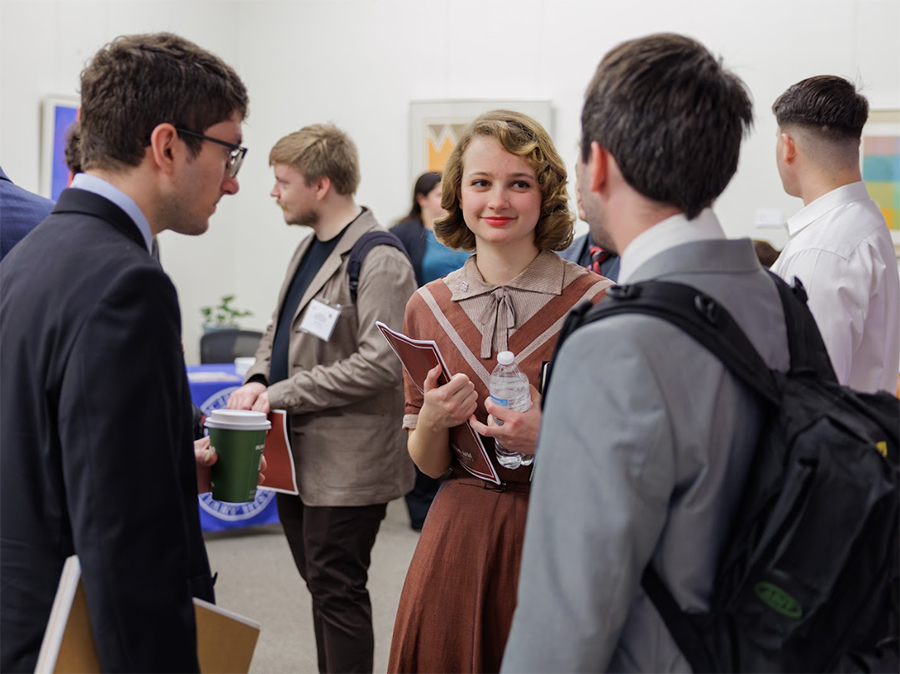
[{"x": 457, "y": 341}]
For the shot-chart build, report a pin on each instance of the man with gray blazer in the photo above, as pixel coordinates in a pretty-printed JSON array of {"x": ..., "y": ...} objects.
[
  {"x": 645, "y": 446},
  {"x": 324, "y": 361}
]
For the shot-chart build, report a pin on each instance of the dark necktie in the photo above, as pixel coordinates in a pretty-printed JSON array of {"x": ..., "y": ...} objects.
[{"x": 598, "y": 257}]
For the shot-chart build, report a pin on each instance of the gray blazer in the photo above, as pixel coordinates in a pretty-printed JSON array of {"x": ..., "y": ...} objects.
[
  {"x": 345, "y": 396},
  {"x": 653, "y": 477}
]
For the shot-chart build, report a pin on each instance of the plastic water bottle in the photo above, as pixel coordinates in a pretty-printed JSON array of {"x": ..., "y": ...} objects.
[{"x": 509, "y": 387}]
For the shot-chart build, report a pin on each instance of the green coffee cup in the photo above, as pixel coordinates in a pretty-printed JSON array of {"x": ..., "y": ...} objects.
[{"x": 239, "y": 437}]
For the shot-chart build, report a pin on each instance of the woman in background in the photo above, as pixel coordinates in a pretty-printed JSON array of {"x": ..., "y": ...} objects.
[
  {"x": 505, "y": 193},
  {"x": 431, "y": 260}
]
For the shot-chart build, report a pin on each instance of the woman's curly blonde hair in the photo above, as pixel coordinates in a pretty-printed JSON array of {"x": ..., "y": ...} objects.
[{"x": 522, "y": 136}]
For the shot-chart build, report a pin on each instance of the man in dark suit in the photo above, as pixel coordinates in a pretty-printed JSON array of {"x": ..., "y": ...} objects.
[
  {"x": 20, "y": 212},
  {"x": 95, "y": 440},
  {"x": 584, "y": 251}
]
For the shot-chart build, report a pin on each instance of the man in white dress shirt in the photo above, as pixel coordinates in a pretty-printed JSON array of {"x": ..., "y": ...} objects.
[{"x": 840, "y": 247}]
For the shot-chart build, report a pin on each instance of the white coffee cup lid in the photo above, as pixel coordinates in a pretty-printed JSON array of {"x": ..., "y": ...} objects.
[{"x": 238, "y": 420}]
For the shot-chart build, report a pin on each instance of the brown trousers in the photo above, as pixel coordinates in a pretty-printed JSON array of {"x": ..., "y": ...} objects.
[{"x": 332, "y": 548}]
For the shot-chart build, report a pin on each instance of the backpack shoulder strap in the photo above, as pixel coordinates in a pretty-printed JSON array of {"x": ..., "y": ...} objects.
[
  {"x": 686, "y": 633},
  {"x": 574, "y": 320},
  {"x": 361, "y": 248},
  {"x": 807, "y": 348},
  {"x": 697, "y": 314}
]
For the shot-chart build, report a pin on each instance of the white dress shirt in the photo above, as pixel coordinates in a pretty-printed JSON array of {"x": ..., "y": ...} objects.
[
  {"x": 841, "y": 249},
  {"x": 667, "y": 234}
]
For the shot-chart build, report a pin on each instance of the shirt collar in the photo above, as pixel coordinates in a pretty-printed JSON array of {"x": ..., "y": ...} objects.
[
  {"x": 813, "y": 211},
  {"x": 105, "y": 189},
  {"x": 544, "y": 275},
  {"x": 667, "y": 234}
]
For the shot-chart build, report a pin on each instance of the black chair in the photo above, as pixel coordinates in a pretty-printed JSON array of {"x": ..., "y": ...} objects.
[{"x": 223, "y": 346}]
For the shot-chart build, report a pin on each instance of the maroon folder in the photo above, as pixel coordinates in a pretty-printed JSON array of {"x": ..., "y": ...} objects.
[{"x": 419, "y": 356}]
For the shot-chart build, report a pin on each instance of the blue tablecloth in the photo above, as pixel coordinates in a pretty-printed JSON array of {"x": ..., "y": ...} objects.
[{"x": 210, "y": 387}]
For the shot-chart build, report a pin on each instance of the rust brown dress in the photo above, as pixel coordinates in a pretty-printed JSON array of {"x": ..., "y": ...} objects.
[{"x": 458, "y": 600}]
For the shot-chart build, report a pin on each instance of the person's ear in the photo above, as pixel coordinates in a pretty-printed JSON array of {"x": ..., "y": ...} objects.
[
  {"x": 323, "y": 186},
  {"x": 788, "y": 148},
  {"x": 598, "y": 167},
  {"x": 163, "y": 146}
]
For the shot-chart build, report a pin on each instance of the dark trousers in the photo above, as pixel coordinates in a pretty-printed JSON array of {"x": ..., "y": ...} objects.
[
  {"x": 418, "y": 501},
  {"x": 332, "y": 548}
]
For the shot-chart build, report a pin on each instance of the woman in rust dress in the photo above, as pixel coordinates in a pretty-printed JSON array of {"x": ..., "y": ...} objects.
[{"x": 505, "y": 191}]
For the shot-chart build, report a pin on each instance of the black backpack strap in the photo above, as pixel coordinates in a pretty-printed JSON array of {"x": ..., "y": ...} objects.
[
  {"x": 807, "y": 348},
  {"x": 683, "y": 629},
  {"x": 361, "y": 248},
  {"x": 711, "y": 325},
  {"x": 697, "y": 314},
  {"x": 574, "y": 320},
  {"x": 701, "y": 317}
]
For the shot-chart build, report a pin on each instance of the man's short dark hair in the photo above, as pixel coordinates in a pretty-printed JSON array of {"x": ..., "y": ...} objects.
[
  {"x": 137, "y": 82},
  {"x": 828, "y": 105},
  {"x": 671, "y": 116}
]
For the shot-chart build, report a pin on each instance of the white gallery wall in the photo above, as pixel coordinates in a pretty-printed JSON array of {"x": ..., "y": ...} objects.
[{"x": 359, "y": 63}]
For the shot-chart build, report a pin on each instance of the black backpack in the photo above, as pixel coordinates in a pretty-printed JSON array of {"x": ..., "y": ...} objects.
[
  {"x": 808, "y": 581},
  {"x": 361, "y": 248}
]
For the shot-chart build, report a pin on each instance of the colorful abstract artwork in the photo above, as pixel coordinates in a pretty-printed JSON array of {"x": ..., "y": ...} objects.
[
  {"x": 58, "y": 115},
  {"x": 435, "y": 127},
  {"x": 440, "y": 138},
  {"x": 880, "y": 158}
]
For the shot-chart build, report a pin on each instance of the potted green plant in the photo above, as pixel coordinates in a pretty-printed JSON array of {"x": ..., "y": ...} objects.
[{"x": 223, "y": 316}]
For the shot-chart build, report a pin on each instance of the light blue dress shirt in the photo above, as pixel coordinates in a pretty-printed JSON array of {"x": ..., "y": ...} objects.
[{"x": 107, "y": 190}]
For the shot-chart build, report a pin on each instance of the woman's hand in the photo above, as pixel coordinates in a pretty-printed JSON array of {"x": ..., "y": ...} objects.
[
  {"x": 519, "y": 432},
  {"x": 448, "y": 405},
  {"x": 443, "y": 408}
]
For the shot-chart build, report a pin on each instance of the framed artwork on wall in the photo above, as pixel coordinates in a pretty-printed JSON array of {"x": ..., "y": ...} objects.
[
  {"x": 435, "y": 127},
  {"x": 880, "y": 157},
  {"x": 57, "y": 115}
]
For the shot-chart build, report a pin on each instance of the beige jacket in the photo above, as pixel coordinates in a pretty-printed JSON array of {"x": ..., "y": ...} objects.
[{"x": 345, "y": 396}]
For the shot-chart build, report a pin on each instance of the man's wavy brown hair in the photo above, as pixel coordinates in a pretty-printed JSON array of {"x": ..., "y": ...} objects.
[{"x": 522, "y": 136}]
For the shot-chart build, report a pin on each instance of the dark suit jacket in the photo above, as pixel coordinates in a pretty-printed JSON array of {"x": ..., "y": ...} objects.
[
  {"x": 95, "y": 443},
  {"x": 580, "y": 253},
  {"x": 20, "y": 212}
]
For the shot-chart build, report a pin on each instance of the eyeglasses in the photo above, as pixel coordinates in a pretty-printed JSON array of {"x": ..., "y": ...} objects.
[{"x": 237, "y": 152}]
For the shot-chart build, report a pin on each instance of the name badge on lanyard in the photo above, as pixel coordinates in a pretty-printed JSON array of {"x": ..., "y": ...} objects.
[{"x": 320, "y": 319}]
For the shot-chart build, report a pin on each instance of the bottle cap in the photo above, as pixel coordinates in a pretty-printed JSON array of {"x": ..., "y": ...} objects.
[{"x": 505, "y": 358}]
